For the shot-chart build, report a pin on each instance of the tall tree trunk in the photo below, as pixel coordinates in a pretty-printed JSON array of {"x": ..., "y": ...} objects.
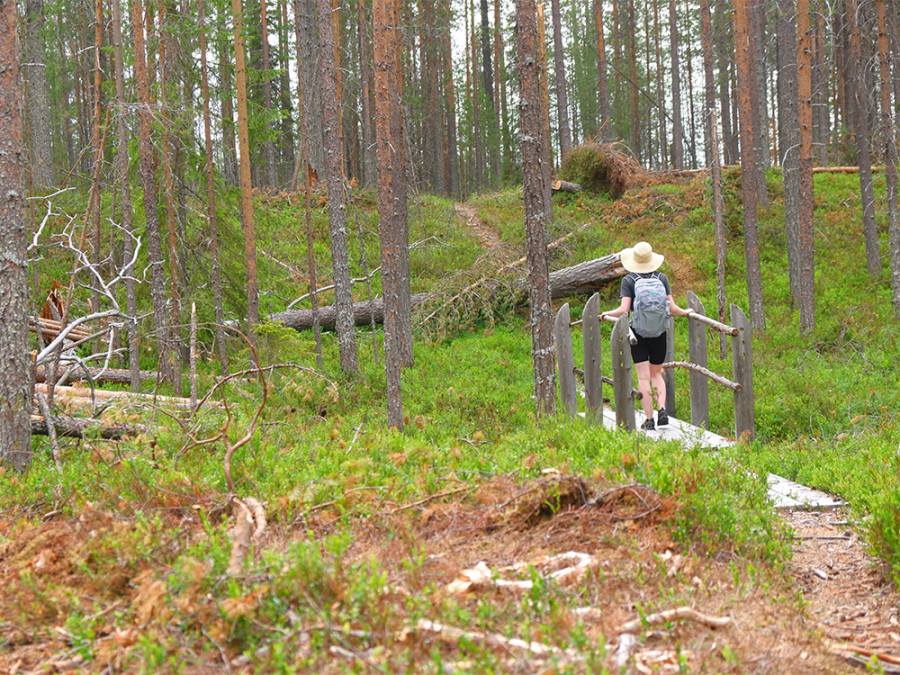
[
  {"x": 247, "y": 217},
  {"x": 820, "y": 93},
  {"x": 859, "y": 85},
  {"x": 312, "y": 85},
  {"x": 714, "y": 164},
  {"x": 807, "y": 298},
  {"x": 725, "y": 52},
  {"x": 890, "y": 150},
  {"x": 677, "y": 128},
  {"x": 602, "y": 86},
  {"x": 536, "y": 215},
  {"x": 307, "y": 183},
  {"x": 660, "y": 99},
  {"x": 761, "y": 121},
  {"x": 745, "y": 55},
  {"x": 478, "y": 181},
  {"x": 15, "y": 361},
  {"x": 230, "y": 169},
  {"x": 123, "y": 179},
  {"x": 452, "y": 156},
  {"x": 268, "y": 145},
  {"x": 633, "y": 90},
  {"x": 559, "y": 75},
  {"x": 392, "y": 211},
  {"x": 286, "y": 137},
  {"x": 547, "y": 165},
  {"x": 167, "y": 150},
  {"x": 789, "y": 135},
  {"x": 343, "y": 289},
  {"x": 43, "y": 174},
  {"x": 365, "y": 77},
  {"x": 211, "y": 218},
  {"x": 689, "y": 60},
  {"x": 96, "y": 150},
  {"x": 500, "y": 116},
  {"x": 151, "y": 217}
]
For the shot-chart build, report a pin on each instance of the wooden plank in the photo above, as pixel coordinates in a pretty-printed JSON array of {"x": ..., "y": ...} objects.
[
  {"x": 697, "y": 353},
  {"x": 786, "y": 494},
  {"x": 622, "y": 377},
  {"x": 742, "y": 353},
  {"x": 565, "y": 361},
  {"x": 592, "y": 341},
  {"x": 669, "y": 375}
]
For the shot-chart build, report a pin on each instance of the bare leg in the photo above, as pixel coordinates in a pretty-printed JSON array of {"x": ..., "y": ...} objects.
[
  {"x": 643, "y": 373},
  {"x": 658, "y": 382}
]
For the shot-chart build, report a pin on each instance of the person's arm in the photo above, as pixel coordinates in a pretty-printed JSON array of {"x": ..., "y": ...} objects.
[
  {"x": 675, "y": 310},
  {"x": 623, "y": 308}
]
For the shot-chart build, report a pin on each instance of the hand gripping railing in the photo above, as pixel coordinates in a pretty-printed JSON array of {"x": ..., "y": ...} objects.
[{"x": 622, "y": 381}]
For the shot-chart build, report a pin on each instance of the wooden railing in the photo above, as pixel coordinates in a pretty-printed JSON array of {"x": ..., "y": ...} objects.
[{"x": 622, "y": 379}]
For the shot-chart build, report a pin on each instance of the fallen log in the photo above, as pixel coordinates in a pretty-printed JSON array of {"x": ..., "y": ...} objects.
[
  {"x": 586, "y": 277},
  {"x": 566, "y": 186},
  {"x": 97, "y": 375},
  {"x": 843, "y": 169},
  {"x": 79, "y": 427},
  {"x": 123, "y": 396}
]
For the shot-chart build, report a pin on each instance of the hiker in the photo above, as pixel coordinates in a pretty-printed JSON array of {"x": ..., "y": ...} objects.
[{"x": 647, "y": 295}]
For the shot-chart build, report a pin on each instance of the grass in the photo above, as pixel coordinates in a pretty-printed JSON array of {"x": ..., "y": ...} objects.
[{"x": 351, "y": 563}]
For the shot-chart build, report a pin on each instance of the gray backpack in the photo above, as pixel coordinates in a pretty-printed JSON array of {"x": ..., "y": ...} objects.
[{"x": 650, "y": 309}]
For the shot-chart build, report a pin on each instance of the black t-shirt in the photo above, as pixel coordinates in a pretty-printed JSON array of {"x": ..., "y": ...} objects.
[{"x": 629, "y": 280}]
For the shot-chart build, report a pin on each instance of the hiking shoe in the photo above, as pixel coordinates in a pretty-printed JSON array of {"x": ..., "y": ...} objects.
[
  {"x": 662, "y": 417},
  {"x": 647, "y": 425}
]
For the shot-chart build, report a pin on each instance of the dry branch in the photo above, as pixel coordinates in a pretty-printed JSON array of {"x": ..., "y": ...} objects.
[
  {"x": 454, "y": 636},
  {"x": 715, "y": 377},
  {"x": 688, "y": 613},
  {"x": 715, "y": 325}
]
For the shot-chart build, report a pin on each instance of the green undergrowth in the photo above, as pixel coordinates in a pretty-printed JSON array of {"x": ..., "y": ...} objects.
[{"x": 826, "y": 416}]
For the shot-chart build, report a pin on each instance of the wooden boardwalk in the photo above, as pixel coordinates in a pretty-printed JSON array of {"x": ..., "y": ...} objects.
[{"x": 783, "y": 493}]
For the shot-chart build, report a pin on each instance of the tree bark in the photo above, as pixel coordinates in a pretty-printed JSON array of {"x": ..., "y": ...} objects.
[
  {"x": 714, "y": 164},
  {"x": 211, "y": 218},
  {"x": 247, "y": 217},
  {"x": 559, "y": 76},
  {"x": 307, "y": 180},
  {"x": 807, "y": 299},
  {"x": 602, "y": 84},
  {"x": 537, "y": 216},
  {"x": 859, "y": 85},
  {"x": 745, "y": 54},
  {"x": 677, "y": 127},
  {"x": 343, "y": 292},
  {"x": 15, "y": 363},
  {"x": 43, "y": 174},
  {"x": 789, "y": 135},
  {"x": 122, "y": 175},
  {"x": 391, "y": 200},
  {"x": 890, "y": 150},
  {"x": 154, "y": 242}
]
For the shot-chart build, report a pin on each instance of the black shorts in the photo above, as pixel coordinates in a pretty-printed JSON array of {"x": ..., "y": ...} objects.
[{"x": 649, "y": 349}]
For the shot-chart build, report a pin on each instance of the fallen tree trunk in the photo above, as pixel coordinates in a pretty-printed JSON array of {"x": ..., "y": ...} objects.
[
  {"x": 566, "y": 186},
  {"x": 79, "y": 427},
  {"x": 585, "y": 277},
  {"x": 97, "y": 375}
]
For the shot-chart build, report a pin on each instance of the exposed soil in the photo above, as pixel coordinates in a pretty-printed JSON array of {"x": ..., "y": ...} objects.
[
  {"x": 488, "y": 236},
  {"x": 605, "y": 548}
]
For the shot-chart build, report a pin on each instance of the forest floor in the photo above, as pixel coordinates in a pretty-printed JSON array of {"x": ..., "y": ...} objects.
[{"x": 609, "y": 550}]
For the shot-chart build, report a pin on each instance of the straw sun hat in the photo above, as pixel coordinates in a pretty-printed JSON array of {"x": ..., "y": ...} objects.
[{"x": 641, "y": 258}]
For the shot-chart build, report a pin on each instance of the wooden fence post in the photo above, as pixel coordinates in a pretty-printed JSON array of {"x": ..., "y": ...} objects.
[
  {"x": 593, "y": 385},
  {"x": 622, "y": 379},
  {"x": 669, "y": 373},
  {"x": 744, "y": 420},
  {"x": 566, "y": 361},
  {"x": 697, "y": 354}
]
